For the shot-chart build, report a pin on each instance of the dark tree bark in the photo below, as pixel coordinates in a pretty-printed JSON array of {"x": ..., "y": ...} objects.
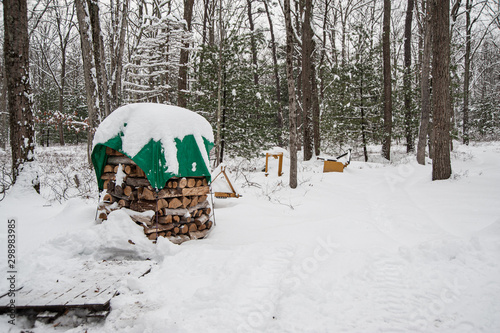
[
  {"x": 88, "y": 71},
  {"x": 315, "y": 111},
  {"x": 117, "y": 50},
  {"x": 100, "y": 64},
  {"x": 291, "y": 95},
  {"x": 19, "y": 97},
  {"x": 386, "y": 54},
  {"x": 407, "y": 78},
  {"x": 468, "y": 31},
  {"x": 425, "y": 95},
  {"x": 184, "y": 57},
  {"x": 307, "y": 50},
  {"x": 279, "y": 115},
  {"x": 441, "y": 164},
  {"x": 253, "y": 43}
]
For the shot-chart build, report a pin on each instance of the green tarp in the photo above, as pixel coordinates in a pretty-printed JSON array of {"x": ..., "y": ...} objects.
[{"x": 152, "y": 157}]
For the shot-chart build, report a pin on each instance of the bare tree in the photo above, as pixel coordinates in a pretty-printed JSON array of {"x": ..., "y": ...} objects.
[
  {"x": 291, "y": 94},
  {"x": 407, "y": 78},
  {"x": 307, "y": 51},
  {"x": 386, "y": 50},
  {"x": 253, "y": 42},
  {"x": 119, "y": 21},
  {"x": 184, "y": 56},
  {"x": 425, "y": 85},
  {"x": 100, "y": 63},
  {"x": 279, "y": 114},
  {"x": 19, "y": 97},
  {"x": 88, "y": 71},
  {"x": 441, "y": 165}
]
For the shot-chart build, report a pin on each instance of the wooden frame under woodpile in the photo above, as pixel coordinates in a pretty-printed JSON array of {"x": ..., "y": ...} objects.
[{"x": 180, "y": 211}]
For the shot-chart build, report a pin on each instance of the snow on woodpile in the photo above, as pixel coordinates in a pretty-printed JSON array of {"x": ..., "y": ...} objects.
[{"x": 142, "y": 122}]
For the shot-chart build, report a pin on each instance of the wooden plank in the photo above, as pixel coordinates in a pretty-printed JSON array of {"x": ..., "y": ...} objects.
[{"x": 91, "y": 287}]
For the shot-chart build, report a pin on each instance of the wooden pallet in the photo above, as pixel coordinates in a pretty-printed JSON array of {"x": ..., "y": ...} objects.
[{"x": 91, "y": 288}]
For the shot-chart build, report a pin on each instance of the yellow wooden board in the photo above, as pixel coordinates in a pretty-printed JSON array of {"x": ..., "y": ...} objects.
[{"x": 333, "y": 166}]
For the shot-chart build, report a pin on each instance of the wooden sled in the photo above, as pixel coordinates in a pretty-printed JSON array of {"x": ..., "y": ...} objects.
[
  {"x": 225, "y": 195},
  {"x": 332, "y": 165}
]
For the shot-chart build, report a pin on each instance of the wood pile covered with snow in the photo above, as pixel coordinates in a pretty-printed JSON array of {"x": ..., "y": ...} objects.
[{"x": 180, "y": 211}]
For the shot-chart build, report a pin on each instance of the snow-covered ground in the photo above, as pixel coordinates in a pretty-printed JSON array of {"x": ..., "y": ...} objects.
[{"x": 378, "y": 248}]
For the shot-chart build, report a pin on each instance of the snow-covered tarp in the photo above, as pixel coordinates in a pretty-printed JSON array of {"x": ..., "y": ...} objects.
[{"x": 163, "y": 140}]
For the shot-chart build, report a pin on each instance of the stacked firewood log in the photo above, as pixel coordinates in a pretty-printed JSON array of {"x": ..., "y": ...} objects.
[{"x": 180, "y": 211}]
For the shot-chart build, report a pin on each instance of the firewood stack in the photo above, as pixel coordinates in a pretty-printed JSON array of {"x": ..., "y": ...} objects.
[{"x": 180, "y": 211}]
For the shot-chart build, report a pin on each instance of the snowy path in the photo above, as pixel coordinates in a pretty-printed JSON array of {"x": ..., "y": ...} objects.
[{"x": 378, "y": 248}]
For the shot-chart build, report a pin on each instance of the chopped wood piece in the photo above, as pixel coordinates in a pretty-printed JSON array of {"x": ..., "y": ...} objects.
[
  {"x": 123, "y": 203},
  {"x": 199, "y": 191},
  {"x": 165, "y": 219},
  {"x": 178, "y": 211},
  {"x": 183, "y": 229},
  {"x": 176, "y": 218},
  {"x": 198, "y": 234},
  {"x": 202, "y": 198},
  {"x": 140, "y": 218},
  {"x": 108, "y": 176},
  {"x": 185, "y": 202},
  {"x": 108, "y": 168},
  {"x": 194, "y": 201},
  {"x": 147, "y": 194},
  {"x": 175, "y": 230},
  {"x": 192, "y": 227},
  {"x": 202, "y": 219},
  {"x": 143, "y": 205},
  {"x": 199, "y": 182},
  {"x": 162, "y": 203},
  {"x": 179, "y": 239},
  {"x": 107, "y": 198},
  {"x": 169, "y": 193},
  {"x": 115, "y": 160},
  {"x": 128, "y": 190},
  {"x": 208, "y": 211},
  {"x": 103, "y": 216},
  {"x": 112, "y": 152},
  {"x": 128, "y": 169},
  {"x": 209, "y": 224},
  {"x": 183, "y": 183},
  {"x": 161, "y": 227},
  {"x": 202, "y": 227},
  {"x": 174, "y": 203},
  {"x": 118, "y": 190},
  {"x": 185, "y": 219},
  {"x": 205, "y": 182},
  {"x": 191, "y": 182},
  {"x": 137, "y": 182}
]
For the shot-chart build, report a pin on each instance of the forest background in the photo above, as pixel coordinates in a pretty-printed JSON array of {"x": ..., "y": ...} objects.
[{"x": 227, "y": 60}]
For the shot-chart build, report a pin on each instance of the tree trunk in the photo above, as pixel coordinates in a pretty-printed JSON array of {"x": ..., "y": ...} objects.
[
  {"x": 315, "y": 111},
  {"x": 88, "y": 71},
  {"x": 117, "y": 59},
  {"x": 386, "y": 54},
  {"x": 182, "y": 85},
  {"x": 407, "y": 78},
  {"x": 291, "y": 95},
  {"x": 100, "y": 65},
  {"x": 253, "y": 43},
  {"x": 441, "y": 164},
  {"x": 468, "y": 31},
  {"x": 19, "y": 97},
  {"x": 425, "y": 90},
  {"x": 279, "y": 115},
  {"x": 307, "y": 50}
]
